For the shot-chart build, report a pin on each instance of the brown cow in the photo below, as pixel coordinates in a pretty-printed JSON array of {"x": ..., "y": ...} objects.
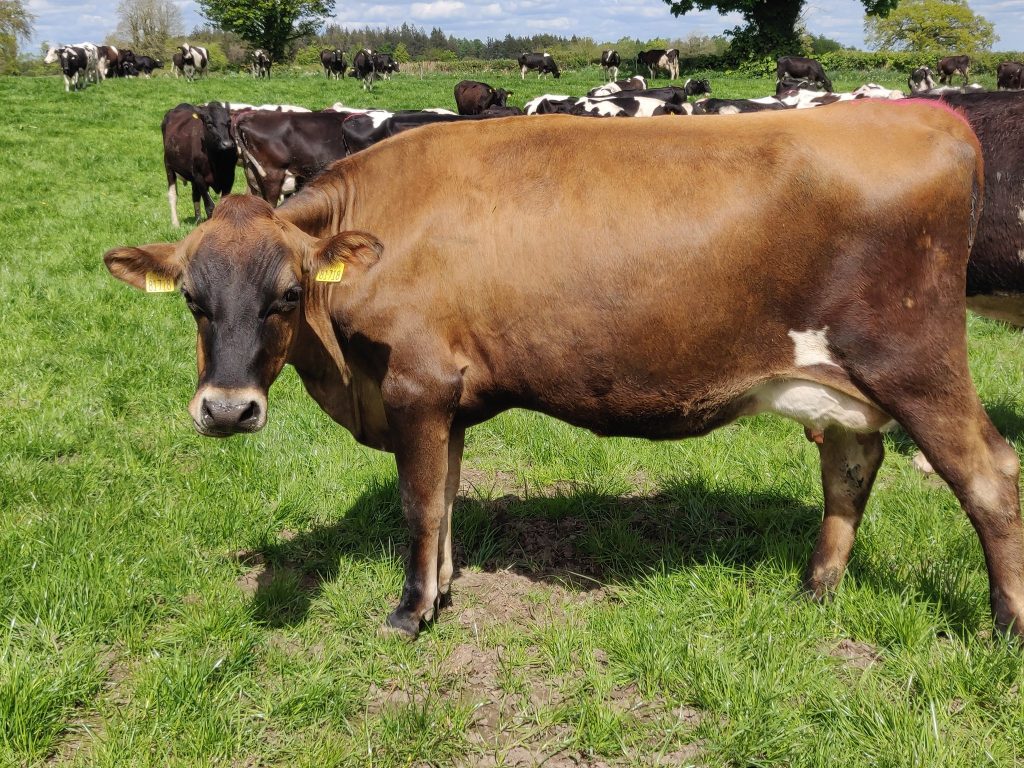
[
  {"x": 951, "y": 65},
  {"x": 408, "y": 324}
]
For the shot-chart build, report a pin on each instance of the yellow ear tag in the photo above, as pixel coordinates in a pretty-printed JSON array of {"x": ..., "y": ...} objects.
[
  {"x": 157, "y": 283},
  {"x": 331, "y": 274},
  {"x": 195, "y": 116}
]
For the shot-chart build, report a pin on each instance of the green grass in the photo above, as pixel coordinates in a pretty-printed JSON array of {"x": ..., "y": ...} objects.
[{"x": 172, "y": 600}]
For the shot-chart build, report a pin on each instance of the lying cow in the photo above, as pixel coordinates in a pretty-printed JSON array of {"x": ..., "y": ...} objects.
[
  {"x": 802, "y": 68},
  {"x": 1010, "y": 76},
  {"x": 473, "y": 97},
  {"x": 921, "y": 80},
  {"x": 399, "y": 326},
  {"x": 953, "y": 65},
  {"x": 697, "y": 87},
  {"x": 542, "y": 62},
  {"x": 739, "y": 106},
  {"x": 144, "y": 65},
  {"x": 635, "y": 83},
  {"x": 199, "y": 150},
  {"x": 659, "y": 58}
]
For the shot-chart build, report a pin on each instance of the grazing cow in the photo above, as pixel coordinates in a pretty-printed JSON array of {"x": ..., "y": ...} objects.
[
  {"x": 610, "y": 61},
  {"x": 198, "y": 149},
  {"x": 333, "y": 62},
  {"x": 194, "y": 60},
  {"x": 409, "y": 329},
  {"x": 278, "y": 148},
  {"x": 659, "y": 58},
  {"x": 542, "y": 62},
  {"x": 1010, "y": 76},
  {"x": 260, "y": 63},
  {"x": 635, "y": 83},
  {"x": 697, "y": 87},
  {"x": 801, "y": 68},
  {"x": 146, "y": 64},
  {"x": 472, "y": 97},
  {"x": 951, "y": 65},
  {"x": 920, "y": 80}
]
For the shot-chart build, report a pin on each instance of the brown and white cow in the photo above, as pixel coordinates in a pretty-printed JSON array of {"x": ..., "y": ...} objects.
[{"x": 408, "y": 329}]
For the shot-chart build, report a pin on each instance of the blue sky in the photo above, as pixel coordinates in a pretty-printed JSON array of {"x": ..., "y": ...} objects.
[{"x": 72, "y": 21}]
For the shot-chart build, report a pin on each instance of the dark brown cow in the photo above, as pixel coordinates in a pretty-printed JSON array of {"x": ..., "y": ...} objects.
[
  {"x": 1010, "y": 76},
  {"x": 275, "y": 145},
  {"x": 198, "y": 149},
  {"x": 407, "y": 326},
  {"x": 951, "y": 65},
  {"x": 473, "y": 97}
]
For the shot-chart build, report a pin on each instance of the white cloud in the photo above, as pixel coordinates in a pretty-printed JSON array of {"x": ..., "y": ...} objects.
[{"x": 440, "y": 9}]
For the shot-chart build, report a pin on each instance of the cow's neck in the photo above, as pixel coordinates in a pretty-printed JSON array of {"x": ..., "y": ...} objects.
[{"x": 319, "y": 210}]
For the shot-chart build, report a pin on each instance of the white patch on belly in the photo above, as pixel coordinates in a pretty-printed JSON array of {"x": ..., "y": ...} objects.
[
  {"x": 816, "y": 406},
  {"x": 811, "y": 347},
  {"x": 1020, "y": 214},
  {"x": 999, "y": 175}
]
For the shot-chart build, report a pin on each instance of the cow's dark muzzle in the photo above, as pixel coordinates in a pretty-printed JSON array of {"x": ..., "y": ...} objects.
[{"x": 222, "y": 412}]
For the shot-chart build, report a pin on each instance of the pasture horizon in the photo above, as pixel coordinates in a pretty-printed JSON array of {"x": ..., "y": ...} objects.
[{"x": 174, "y": 600}]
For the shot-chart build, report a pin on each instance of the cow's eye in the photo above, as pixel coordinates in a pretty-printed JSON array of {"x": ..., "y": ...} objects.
[
  {"x": 190, "y": 302},
  {"x": 288, "y": 301}
]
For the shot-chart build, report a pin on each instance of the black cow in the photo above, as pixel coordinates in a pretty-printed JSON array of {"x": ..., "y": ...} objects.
[
  {"x": 260, "y": 63},
  {"x": 697, "y": 87},
  {"x": 920, "y": 80},
  {"x": 610, "y": 61},
  {"x": 73, "y": 63},
  {"x": 739, "y": 106},
  {"x": 473, "y": 97},
  {"x": 364, "y": 67},
  {"x": 198, "y": 149},
  {"x": 542, "y": 62},
  {"x": 496, "y": 111},
  {"x": 127, "y": 69},
  {"x": 385, "y": 64},
  {"x": 333, "y": 62},
  {"x": 1010, "y": 76},
  {"x": 146, "y": 64},
  {"x": 659, "y": 58},
  {"x": 801, "y": 68},
  {"x": 951, "y": 65},
  {"x": 194, "y": 60}
]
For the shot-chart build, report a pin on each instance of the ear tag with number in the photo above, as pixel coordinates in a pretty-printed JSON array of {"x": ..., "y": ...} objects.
[
  {"x": 195, "y": 116},
  {"x": 332, "y": 273},
  {"x": 157, "y": 283}
]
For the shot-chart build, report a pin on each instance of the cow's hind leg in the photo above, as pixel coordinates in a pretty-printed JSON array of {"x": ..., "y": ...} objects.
[
  {"x": 172, "y": 196},
  {"x": 943, "y": 415},
  {"x": 446, "y": 564},
  {"x": 849, "y": 463}
]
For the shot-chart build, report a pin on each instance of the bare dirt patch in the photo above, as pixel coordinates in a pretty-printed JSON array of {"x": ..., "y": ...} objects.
[{"x": 856, "y": 654}]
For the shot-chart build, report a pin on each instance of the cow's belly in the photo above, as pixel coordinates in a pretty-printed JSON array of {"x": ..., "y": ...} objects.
[{"x": 1008, "y": 307}]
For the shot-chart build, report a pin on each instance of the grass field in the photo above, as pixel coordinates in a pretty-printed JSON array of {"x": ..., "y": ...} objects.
[{"x": 170, "y": 600}]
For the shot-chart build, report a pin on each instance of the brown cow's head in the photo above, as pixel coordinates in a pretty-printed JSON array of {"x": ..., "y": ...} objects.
[{"x": 249, "y": 278}]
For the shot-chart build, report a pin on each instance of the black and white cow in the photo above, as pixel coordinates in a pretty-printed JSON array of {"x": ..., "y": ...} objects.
[
  {"x": 108, "y": 61},
  {"x": 739, "y": 106},
  {"x": 631, "y": 105},
  {"x": 144, "y": 65},
  {"x": 659, "y": 58},
  {"x": 364, "y": 68},
  {"x": 385, "y": 65},
  {"x": 802, "y": 68},
  {"x": 79, "y": 63},
  {"x": 260, "y": 63},
  {"x": 793, "y": 84},
  {"x": 697, "y": 87},
  {"x": 542, "y": 62},
  {"x": 921, "y": 80},
  {"x": 333, "y": 62},
  {"x": 610, "y": 61},
  {"x": 194, "y": 60},
  {"x": 952, "y": 65},
  {"x": 635, "y": 83},
  {"x": 1010, "y": 76}
]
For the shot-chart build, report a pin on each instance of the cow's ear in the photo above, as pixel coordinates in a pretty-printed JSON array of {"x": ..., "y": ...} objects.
[
  {"x": 332, "y": 256},
  {"x": 152, "y": 268}
]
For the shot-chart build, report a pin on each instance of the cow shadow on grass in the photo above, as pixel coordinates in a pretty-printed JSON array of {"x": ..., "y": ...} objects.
[{"x": 580, "y": 541}]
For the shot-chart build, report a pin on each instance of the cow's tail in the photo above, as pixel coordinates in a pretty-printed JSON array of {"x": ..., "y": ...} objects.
[{"x": 247, "y": 154}]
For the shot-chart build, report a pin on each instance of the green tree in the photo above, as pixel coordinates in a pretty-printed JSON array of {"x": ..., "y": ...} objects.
[
  {"x": 15, "y": 24},
  {"x": 770, "y": 25},
  {"x": 401, "y": 54},
  {"x": 930, "y": 26},
  {"x": 269, "y": 24}
]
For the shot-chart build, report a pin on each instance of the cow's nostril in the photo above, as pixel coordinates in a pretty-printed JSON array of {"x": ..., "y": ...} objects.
[
  {"x": 206, "y": 413},
  {"x": 250, "y": 414}
]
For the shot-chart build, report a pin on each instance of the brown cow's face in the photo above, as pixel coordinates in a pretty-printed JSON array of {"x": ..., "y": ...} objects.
[{"x": 242, "y": 275}]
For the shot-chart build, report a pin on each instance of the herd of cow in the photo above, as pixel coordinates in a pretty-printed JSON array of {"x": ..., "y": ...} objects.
[{"x": 466, "y": 265}]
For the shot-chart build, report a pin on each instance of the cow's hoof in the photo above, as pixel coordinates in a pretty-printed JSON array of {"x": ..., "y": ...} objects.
[
  {"x": 921, "y": 464},
  {"x": 444, "y": 600},
  {"x": 402, "y": 623}
]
